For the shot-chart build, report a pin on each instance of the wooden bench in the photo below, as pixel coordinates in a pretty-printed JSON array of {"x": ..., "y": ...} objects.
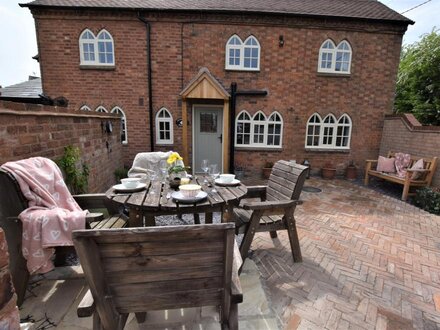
[
  {"x": 12, "y": 203},
  {"x": 425, "y": 180}
]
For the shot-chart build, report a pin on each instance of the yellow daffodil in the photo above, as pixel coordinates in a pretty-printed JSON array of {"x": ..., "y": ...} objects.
[{"x": 173, "y": 157}]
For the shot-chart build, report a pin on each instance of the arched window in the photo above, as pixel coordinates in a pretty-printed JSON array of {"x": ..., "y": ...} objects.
[
  {"x": 101, "y": 109},
  {"x": 328, "y": 133},
  {"x": 164, "y": 127},
  {"x": 242, "y": 55},
  {"x": 243, "y": 129},
  {"x": 313, "y": 131},
  {"x": 105, "y": 48},
  {"x": 274, "y": 130},
  {"x": 343, "y": 133},
  {"x": 87, "y": 47},
  {"x": 335, "y": 59},
  {"x": 259, "y": 131},
  {"x": 85, "y": 108},
  {"x": 96, "y": 50},
  {"x": 252, "y": 53},
  {"x": 259, "y": 128},
  {"x": 121, "y": 113}
]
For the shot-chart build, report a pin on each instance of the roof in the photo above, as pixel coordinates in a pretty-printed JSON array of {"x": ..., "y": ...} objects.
[
  {"x": 30, "y": 89},
  {"x": 361, "y": 9}
]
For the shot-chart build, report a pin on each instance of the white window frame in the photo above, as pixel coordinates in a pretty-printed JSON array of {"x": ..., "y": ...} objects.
[
  {"x": 166, "y": 120},
  {"x": 101, "y": 109},
  {"x": 85, "y": 108},
  {"x": 124, "y": 130},
  {"x": 241, "y": 47},
  {"x": 323, "y": 125},
  {"x": 271, "y": 121},
  {"x": 253, "y": 123},
  {"x": 95, "y": 42},
  {"x": 334, "y": 52}
]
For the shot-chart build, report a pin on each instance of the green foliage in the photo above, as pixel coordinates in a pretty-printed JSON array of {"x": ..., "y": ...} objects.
[
  {"x": 418, "y": 81},
  {"x": 429, "y": 199},
  {"x": 120, "y": 173},
  {"x": 76, "y": 173}
]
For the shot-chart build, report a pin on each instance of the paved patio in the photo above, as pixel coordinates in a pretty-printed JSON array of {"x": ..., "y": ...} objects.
[{"x": 370, "y": 262}]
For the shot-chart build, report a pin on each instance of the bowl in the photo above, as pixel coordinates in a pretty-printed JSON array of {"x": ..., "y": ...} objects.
[
  {"x": 190, "y": 190},
  {"x": 130, "y": 183},
  {"x": 227, "y": 178}
]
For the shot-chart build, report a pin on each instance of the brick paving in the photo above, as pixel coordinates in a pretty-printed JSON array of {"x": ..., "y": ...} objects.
[{"x": 370, "y": 261}]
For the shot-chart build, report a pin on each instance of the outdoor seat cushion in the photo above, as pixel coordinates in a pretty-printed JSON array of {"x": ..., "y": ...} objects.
[
  {"x": 418, "y": 165},
  {"x": 386, "y": 165}
]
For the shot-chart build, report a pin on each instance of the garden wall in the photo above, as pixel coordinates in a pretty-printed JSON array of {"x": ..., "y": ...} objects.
[
  {"x": 29, "y": 130},
  {"x": 403, "y": 133}
]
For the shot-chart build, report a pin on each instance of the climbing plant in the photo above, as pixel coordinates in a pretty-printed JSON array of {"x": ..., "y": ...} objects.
[{"x": 76, "y": 172}]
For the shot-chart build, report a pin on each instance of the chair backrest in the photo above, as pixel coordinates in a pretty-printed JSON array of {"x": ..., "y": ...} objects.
[
  {"x": 12, "y": 203},
  {"x": 285, "y": 181},
  {"x": 142, "y": 269}
]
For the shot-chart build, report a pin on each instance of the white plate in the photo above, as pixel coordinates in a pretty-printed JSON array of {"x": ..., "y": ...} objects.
[
  {"x": 178, "y": 196},
  {"x": 122, "y": 188},
  {"x": 232, "y": 183}
]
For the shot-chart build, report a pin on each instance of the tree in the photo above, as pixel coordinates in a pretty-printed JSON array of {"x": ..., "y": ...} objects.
[{"x": 418, "y": 80}]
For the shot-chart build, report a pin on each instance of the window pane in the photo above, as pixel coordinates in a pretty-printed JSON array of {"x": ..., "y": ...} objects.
[
  {"x": 277, "y": 141},
  {"x": 255, "y": 52},
  {"x": 162, "y": 135},
  {"x": 167, "y": 135},
  {"x": 247, "y": 52},
  {"x": 254, "y": 63},
  {"x": 109, "y": 58},
  {"x": 208, "y": 122},
  {"x": 108, "y": 47},
  {"x": 247, "y": 63},
  {"x": 101, "y": 47},
  {"x": 101, "y": 58},
  {"x": 247, "y": 139},
  {"x": 309, "y": 140},
  {"x": 270, "y": 140}
]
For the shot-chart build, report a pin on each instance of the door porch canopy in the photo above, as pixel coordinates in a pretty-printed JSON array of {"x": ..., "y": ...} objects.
[{"x": 205, "y": 87}]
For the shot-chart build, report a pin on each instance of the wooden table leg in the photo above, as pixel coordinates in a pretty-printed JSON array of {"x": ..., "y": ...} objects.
[
  {"x": 196, "y": 219},
  {"x": 227, "y": 216},
  {"x": 208, "y": 217},
  {"x": 135, "y": 218},
  {"x": 150, "y": 221}
]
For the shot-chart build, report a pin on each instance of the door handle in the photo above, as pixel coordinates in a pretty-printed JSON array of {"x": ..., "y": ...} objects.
[{"x": 221, "y": 137}]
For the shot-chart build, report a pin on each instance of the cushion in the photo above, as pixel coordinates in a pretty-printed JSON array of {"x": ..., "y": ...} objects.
[
  {"x": 402, "y": 162},
  {"x": 418, "y": 165},
  {"x": 385, "y": 164}
]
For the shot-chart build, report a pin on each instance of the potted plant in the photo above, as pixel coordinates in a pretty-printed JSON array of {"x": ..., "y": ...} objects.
[
  {"x": 328, "y": 171},
  {"x": 267, "y": 169},
  {"x": 351, "y": 171}
]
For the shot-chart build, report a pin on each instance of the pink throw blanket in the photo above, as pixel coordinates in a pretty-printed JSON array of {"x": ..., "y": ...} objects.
[
  {"x": 402, "y": 162},
  {"x": 52, "y": 214}
]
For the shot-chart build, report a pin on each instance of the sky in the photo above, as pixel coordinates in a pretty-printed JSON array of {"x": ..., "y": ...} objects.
[{"x": 17, "y": 31}]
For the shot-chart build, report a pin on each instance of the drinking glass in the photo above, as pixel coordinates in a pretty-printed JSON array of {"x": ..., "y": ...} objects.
[
  {"x": 214, "y": 173},
  {"x": 163, "y": 166},
  {"x": 205, "y": 168}
]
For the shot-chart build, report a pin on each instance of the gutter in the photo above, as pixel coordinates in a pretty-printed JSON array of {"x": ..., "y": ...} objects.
[
  {"x": 149, "y": 80},
  {"x": 232, "y": 107}
]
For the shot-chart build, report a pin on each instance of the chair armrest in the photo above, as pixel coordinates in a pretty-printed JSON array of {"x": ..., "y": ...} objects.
[
  {"x": 91, "y": 201},
  {"x": 92, "y": 217},
  {"x": 256, "y": 191},
  {"x": 86, "y": 307},
  {"x": 267, "y": 205},
  {"x": 421, "y": 170},
  {"x": 236, "y": 290}
]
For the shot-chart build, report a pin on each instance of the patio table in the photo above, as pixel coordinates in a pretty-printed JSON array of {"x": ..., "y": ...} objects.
[{"x": 156, "y": 200}]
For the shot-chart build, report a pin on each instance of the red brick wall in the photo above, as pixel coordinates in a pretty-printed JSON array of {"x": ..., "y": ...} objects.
[
  {"x": 9, "y": 317},
  {"x": 181, "y": 44},
  {"x": 33, "y": 130},
  {"x": 405, "y": 134}
]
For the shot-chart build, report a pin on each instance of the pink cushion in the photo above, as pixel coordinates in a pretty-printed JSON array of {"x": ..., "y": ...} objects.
[
  {"x": 402, "y": 162},
  {"x": 386, "y": 165},
  {"x": 418, "y": 165}
]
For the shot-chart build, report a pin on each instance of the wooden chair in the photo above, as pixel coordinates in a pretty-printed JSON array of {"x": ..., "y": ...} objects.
[
  {"x": 12, "y": 203},
  {"x": 135, "y": 270},
  {"x": 276, "y": 208}
]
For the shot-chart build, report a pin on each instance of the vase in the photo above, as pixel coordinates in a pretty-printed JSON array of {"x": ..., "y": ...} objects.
[
  {"x": 351, "y": 173},
  {"x": 328, "y": 173}
]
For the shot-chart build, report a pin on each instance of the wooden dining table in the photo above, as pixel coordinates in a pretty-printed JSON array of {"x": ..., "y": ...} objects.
[{"x": 156, "y": 200}]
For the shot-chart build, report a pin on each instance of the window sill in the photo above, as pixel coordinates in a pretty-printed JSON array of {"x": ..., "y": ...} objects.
[
  {"x": 97, "y": 67},
  {"x": 266, "y": 149},
  {"x": 242, "y": 70},
  {"x": 333, "y": 151},
  {"x": 333, "y": 74}
]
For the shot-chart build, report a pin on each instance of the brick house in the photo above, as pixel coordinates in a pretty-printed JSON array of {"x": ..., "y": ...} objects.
[{"x": 237, "y": 82}]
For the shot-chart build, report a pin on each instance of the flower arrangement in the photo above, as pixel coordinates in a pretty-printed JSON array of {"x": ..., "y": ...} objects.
[{"x": 175, "y": 163}]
